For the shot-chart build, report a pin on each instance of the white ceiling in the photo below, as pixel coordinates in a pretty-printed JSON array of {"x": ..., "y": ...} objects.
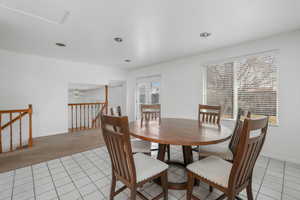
[{"x": 153, "y": 30}]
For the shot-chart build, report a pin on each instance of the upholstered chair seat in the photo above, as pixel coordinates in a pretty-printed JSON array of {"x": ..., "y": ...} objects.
[
  {"x": 147, "y": 166},
  {"x": 212, "y": 168},
  {"x": 220, "y": 150}
]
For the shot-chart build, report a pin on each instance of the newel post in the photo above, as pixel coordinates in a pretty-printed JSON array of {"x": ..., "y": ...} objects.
[{"x": 30, "y": 125}]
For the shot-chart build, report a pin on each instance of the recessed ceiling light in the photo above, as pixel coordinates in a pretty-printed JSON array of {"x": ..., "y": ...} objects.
[
  {"x": 118, "y": 39},
  {"x": 60, "y": 44},
  {"x": 205, "y": 34},
  {"x": 127, "y": 60}
]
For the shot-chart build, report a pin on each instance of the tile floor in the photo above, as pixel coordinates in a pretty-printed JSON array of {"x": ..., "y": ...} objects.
[{"x": 86, "y": 176}]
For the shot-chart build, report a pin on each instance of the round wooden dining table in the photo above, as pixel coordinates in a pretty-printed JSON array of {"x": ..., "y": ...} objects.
[{"x": 183, "y": 132}]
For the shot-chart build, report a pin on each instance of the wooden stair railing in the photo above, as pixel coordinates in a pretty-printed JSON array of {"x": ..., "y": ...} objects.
[
  {"x": 21, "y": 113},
  {"x": 83, "y": 115},
  {"x": 97, "y": 120}
]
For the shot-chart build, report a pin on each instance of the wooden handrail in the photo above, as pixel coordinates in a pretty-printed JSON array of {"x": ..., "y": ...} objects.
[
  {"x": 75, "y": 104},
  {"x": 13, "y": 120},
  {"x": 13, "y": 111},
  {"x": 22, "y": 113},
  {"x": 100, "y": 113}
]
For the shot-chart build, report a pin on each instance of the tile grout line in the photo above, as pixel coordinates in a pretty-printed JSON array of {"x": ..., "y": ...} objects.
[
  {"x": 52, "y": 181},
  {"x": 106, "y": 176},
  {"x": 87, "y": 175},
  {"x": 71, "y": 178},
  {"x": 102, "y": 171},
  {"x": 13, "y": 185},
  {"x": 262, "y": 180},
  {"x": 282, "y": 190},
  {"x": 99, "y": 168},
  {"x": 34, "y": 193},
  {"x": 94, "y": 163}
]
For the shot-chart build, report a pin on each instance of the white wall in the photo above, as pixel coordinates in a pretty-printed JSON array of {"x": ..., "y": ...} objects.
[
  {"x": 181, "y": 89},
  {"x": 87, "y": 96},
  {"x": 43, "y": 82},
  {"x": 117, "y": 96}
]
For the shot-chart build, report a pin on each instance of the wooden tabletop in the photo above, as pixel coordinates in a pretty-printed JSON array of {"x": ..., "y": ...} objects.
[{"x": 175, "y": 131}]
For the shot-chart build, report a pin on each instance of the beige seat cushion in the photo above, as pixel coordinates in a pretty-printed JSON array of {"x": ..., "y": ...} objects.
[
  {"x": 140, "y": 146},
  {"x": 219, "y": 150},
  {"x": 147, "y": 166},
  {"x": 212, "y": 168}
]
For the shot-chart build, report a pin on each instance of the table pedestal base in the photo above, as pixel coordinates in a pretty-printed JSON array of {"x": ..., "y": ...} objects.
[{"x": 187, "y": 159}]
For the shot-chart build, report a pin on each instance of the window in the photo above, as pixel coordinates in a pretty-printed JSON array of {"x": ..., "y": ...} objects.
[
  {"x": 249, "y": 83},
  {"x": 147, "y": 92}
]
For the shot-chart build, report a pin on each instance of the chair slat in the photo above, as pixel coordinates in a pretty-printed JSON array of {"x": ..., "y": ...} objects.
[
  {"x": 209, "y": 114},
  {"x": 238, "y": 125},
  {"x": 248, "y": 150},
  {"x": 118, "y": 144}
]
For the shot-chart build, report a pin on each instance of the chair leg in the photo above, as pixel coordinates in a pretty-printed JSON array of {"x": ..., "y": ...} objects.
[
  {"x": 169, "y": 152},
  {"x": 190, "y": 186},
  {"x": 211, "y": 189},
  {"x": 164, "y": 184},
  {"x": 142, "y": 119},
  {"x": 230, "y": 197},
  {"x": 249, "y": 191},
  {"x": 113, "y": 187},
  {"x": 133, "y": 193}
]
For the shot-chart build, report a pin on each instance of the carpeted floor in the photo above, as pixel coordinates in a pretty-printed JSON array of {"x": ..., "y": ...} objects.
[{"x": 51, "y": 147}]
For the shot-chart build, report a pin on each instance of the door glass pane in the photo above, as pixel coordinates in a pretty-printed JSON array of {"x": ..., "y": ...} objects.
[
  {"x": 148, "y": 92},
  {"x": 155, "y": 87}
]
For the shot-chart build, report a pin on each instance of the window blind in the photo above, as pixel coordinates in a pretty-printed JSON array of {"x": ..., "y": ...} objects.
[
  {"x": 249, "y": 83},
  {"x": 257, "y": 86},
  {"x": 220, "y": 87}
]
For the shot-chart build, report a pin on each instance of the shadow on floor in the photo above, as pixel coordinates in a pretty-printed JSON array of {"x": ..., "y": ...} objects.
[{"x": 51, "y": 147}]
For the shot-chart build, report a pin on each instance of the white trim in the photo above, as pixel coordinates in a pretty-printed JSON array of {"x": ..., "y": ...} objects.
[{"x": 233, "y": 58}]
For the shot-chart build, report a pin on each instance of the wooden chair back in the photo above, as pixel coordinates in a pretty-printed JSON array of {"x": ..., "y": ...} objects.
[
  {"x": 116, "y": 110},
  {"x": 209, "y": 114},
  {"x": 150, "y": 112},
  {"x": 116, "y": 136},
  {"x": 252, "y": 138},
  {"x": 242, "y": 114},
  {"x": 150, "y": 106}
]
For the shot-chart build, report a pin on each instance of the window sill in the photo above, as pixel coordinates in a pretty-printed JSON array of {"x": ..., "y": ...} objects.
[{"x": 233, "y": 120}]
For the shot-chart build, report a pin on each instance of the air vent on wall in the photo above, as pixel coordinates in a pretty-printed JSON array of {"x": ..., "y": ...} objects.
[{"x": 47, "y": 11}]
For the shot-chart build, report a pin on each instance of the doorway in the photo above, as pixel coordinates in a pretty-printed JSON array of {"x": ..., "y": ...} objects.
[{"x": 148, "y": 91}]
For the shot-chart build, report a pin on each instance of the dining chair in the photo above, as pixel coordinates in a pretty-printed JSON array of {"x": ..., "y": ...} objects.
[
  {"x": 138, "y": 146},
  {"x": 209, "y": 114},
  {"x": 133, "y": 170},
  {"x": 117, "y": 110},
  {"x": 232, "y": 177},
  {"x": 226, "y": 152},
  {"x": 151, "y": 112}
]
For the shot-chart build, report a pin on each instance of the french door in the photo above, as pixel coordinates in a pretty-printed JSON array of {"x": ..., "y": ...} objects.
[{"x": 147, "y": 92}]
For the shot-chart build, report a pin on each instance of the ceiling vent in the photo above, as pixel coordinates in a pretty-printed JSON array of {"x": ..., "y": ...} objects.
[{"x": 47, "y": 11}]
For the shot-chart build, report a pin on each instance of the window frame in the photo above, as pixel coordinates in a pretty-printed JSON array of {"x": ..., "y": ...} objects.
[{"x": 234, "y": 60}]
